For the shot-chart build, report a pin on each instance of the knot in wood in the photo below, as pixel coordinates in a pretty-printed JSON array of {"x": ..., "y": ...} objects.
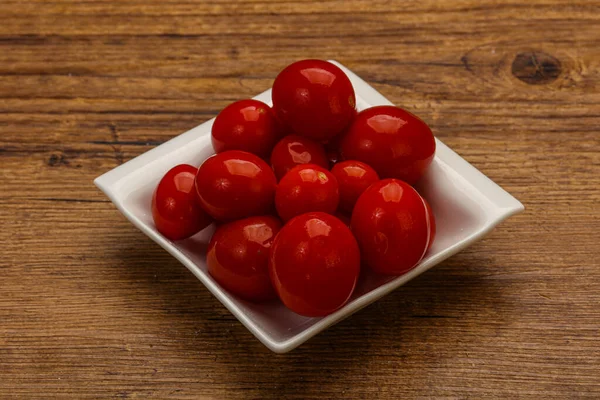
[{"x": 536, "y": 68}]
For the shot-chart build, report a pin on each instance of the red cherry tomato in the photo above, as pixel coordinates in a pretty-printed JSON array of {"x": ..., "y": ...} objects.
[
  {"x": 353, "y": 177},
  {"x": 235, "y": 184},
  {"x": 314, "y": 264},
  {"x": 175, "y": 208},
  {"x": 247, "y": 125},
  {"x": 390, "y": 223},
  {"x": 431, "y": 223},
  {"x": 314, "y": 98},
  {"x": 396, "y": 143},
  {"x": 306, "y": 188},
  {"x": 238, "y": 256},
  {"x": 295, "y": 150}
]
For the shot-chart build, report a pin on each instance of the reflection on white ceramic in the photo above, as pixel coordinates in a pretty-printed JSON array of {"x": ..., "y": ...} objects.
[{"x": 466, "y": 204}]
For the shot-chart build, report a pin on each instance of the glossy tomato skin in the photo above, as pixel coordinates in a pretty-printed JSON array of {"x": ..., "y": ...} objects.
[
  {"x": 390, "y": 222},
  {"x": 314, "y": 98},
  {"x": 432, "y": 227},
  {"x": 314, "y": 264},
  {"x": 306, "y": 188},
  {"x": 234, "y": 185},
  {"x": 353, "y": 177},
  {"x": 396, "y": 143},
  {"x": 247, "y": 125},
  {"x": 295, "y": 150},
  {"x": 175, "y": 208},
  {"x": 238, "y": 257}
]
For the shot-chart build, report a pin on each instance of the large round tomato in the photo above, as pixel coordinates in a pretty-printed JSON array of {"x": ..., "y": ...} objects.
[
  {"x": 391, "y": 224},
  {"x": 238, "y": 256},
  {"x": 295, "y": 150},
  {"x": 247, "y": 125},
  {"x": 314, "y": 98},
  {"x": 353, "y": 178},
  {"x": 306, "y": 188},
  {"x": 396, "y": 143},
  {"x": 175, "y": 208},
  {"x": 235, "y": 184},
  {"x": 314, "y": 264}
]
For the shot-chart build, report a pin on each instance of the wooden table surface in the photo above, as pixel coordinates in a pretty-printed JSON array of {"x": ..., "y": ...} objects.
[{"x": 91, "y": 308}]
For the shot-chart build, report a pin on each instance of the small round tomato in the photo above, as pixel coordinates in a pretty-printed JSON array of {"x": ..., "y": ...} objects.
[
  {"x": 314, "y": 98},
  {"x": 295, "y": 150},
  {"x": 396, "y": 143},
  {"x": 306, "y": 188},
  {"x": 247, "y": 125},
  {"x": 175, "y": 208},
  {"x": 353, "y": 178},
  {"x": 235, "y": 184},
  {"x": 314, "y": 264},
  {"x": 390, "y": 223},
  {"x": 238, "y": 256},
  {"x": 431, "y": 223}
]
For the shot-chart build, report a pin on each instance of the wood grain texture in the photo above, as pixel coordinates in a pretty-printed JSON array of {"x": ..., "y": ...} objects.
[{"x": 91, "y": 308}]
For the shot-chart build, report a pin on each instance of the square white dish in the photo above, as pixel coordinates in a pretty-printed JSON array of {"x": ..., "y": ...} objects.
[{"x": 467, "y": 205}]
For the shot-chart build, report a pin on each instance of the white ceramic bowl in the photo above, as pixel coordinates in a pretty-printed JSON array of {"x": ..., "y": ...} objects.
[{"x": 466, "y": 204}]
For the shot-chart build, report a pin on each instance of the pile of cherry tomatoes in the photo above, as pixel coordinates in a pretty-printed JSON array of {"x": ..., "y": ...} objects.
[{"x": 305, "y": 192}]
